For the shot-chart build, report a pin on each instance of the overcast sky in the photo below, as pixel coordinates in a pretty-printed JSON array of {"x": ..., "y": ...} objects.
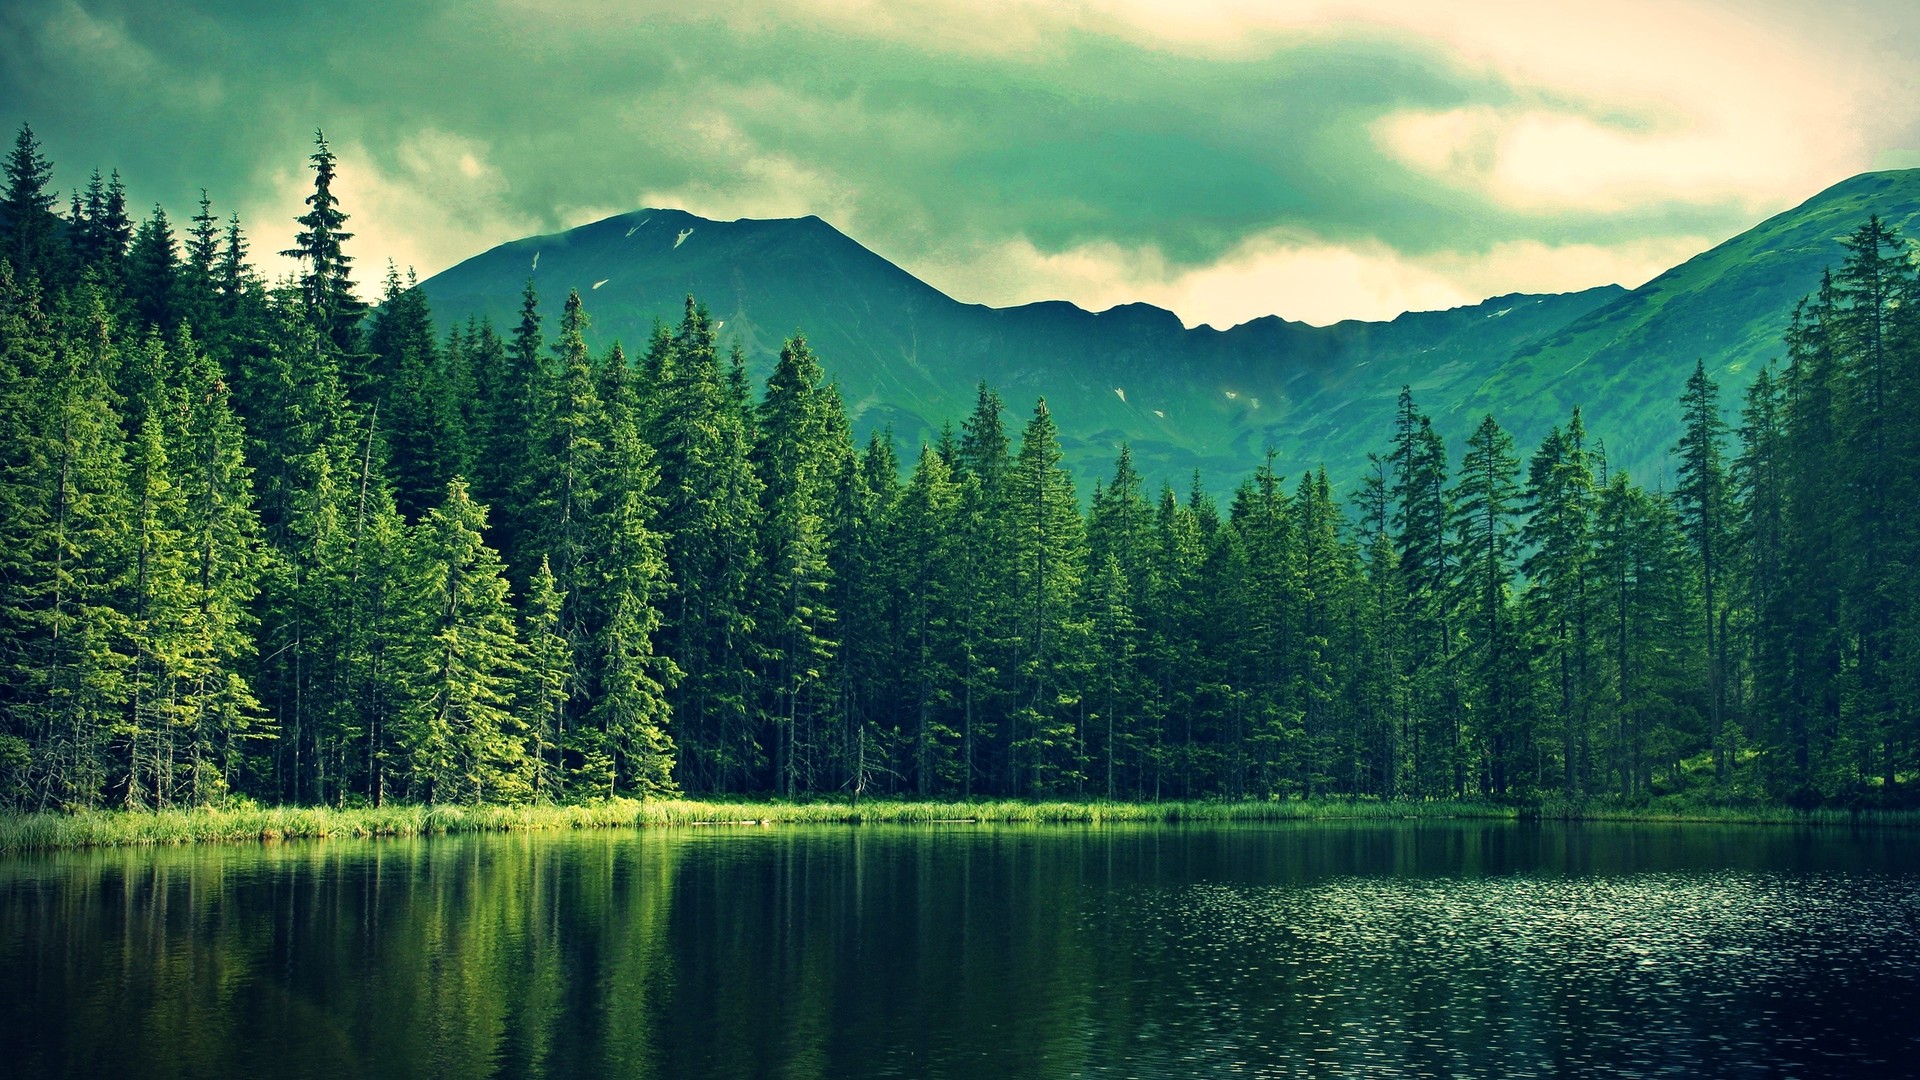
[{"x": 1316, "y": 160}]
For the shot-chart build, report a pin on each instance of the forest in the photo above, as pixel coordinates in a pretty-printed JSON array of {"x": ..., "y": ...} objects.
[{"x": 266, "y": 540}]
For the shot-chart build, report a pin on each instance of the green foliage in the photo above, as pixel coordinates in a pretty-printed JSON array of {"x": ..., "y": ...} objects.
[
  {"x": 238, "y": 559},
  {"x": 465, "y": 740},
  {"x": 326, "y": 282}
]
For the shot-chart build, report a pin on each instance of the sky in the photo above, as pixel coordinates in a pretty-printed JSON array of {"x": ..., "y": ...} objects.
[{"x": 1225, "y": 159}]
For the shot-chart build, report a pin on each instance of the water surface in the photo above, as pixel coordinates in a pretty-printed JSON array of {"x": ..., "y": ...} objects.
[{"x": 974, "y": 951}]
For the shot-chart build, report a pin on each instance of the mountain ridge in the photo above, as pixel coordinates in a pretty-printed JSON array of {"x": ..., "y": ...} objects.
[{"x": 908, "y": 356}]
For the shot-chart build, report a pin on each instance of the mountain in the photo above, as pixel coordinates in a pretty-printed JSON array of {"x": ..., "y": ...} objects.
[{"x": 907, "y": 355}]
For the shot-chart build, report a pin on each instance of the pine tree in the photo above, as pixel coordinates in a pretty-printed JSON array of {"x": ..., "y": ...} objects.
[
  {"x": 1173, "y": 654},
  {"x": 1485, "y": 498},
  {"x": 1875, "y": 287},
  {"x": 326, "y": 282},
  {"x": 198, "y": 293},
  {"x": 629, "y": 717},
  {"x": 153, "y": 272},
  {"x": 1702, "y": 499},
  {"x": 1557, "y": 604},
  {"x": 402, "y": 385},
  {"x": 1049, "y": 555},
  {"x": 1255, "y": 587},
  {"x": 800, "y": 453},
  {"x": 467, "y": 743},
  {"x": 710, "y": 502},
  {"x": 1420, "y": 517},
  {"x": 510, "y": 444},
  {"x": 69, "y": 659},
  {"x": 373, "y": 634},
  {"x": 1326, "y": 574},
  {"x": 925, "y": 560},
  {"x": 1120, "y": 544},
  {"x": 156, "y": 602},
  {"x": 1813, "y": 585},
  {"x": 1641, "y": 560},
  {"x": 30, "y": 228},
  {"x": 869, "y": 675},
  {"x": 546, "y": 687},
  {"x": 982, "y": 465}
]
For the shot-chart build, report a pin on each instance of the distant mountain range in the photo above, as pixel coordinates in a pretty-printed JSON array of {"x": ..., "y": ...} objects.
[{"x": 905, "y": 354}]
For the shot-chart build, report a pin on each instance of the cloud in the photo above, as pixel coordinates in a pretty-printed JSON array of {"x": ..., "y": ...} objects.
[
  {"x": 1325, "y": 158},
  {"x": 433, "y": 199}
]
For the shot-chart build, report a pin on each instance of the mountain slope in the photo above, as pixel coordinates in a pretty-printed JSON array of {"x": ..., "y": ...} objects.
[
  {"x": 1625, "y": 362},
  {"x": 908, "y": 356}
]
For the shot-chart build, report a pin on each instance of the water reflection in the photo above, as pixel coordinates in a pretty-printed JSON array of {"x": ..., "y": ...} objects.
[{"x": 971, "y": 951}]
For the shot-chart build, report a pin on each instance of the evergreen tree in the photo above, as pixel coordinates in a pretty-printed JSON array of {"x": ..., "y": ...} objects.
[
  {"x": 869, "y": 617},
  {"x": 924, "y": 574},
  {"x": 1485, "y": 498},
  {"x": 326, "y": 282},
  {"x": 1702, "y": 500},
  {"x": 156, "y": 602},
  {"x": 1876, "y": 288},
  {"x": 799, "y": 456},
  {"x": 467, "y": 743},
  {"x": 628, "y": 720},
  {"x": 402, "y": 385},
  {"x": 1558, "y": 605},
  {"x": 1813, "y": 584},
  {"x": 510, "y": 444},
  {"x": 982, "y": 465},
  {"x": 152, "y": 273},
  {"x": 1049, "y": 552},
  {"x": 1120, "y": 545},
  {"x": 547, "y": 686},
  {"x": 70, "y": 504},
  {"x": 30, "y": 228},
  {"x": 197, "y": 286},
  {"x": 710, "y": 501},
  {"x": 1420, "y": 517}
]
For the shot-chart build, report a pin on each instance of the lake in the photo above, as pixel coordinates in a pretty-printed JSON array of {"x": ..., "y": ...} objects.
[{"x": 1379, "y": 949}]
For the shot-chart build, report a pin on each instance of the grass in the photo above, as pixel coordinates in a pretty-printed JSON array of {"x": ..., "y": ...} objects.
[{"x": 247, "y": 823}]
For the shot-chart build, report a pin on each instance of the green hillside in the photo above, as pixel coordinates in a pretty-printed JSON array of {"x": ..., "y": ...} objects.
[
  {"x": 908, "y": 356},
  {"x": 1625, "y": 362}
]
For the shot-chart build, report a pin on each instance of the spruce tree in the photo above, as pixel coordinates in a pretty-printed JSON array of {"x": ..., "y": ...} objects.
[
  {"x": 402, "y": 385},
  {"x": 1120, "y": 546},
  {"x": 1048, "y": 544},
  {"x": 466, "y": 741},
  {"x": 868, "y": 687},
  {"x": 1702, "y": 499},
  {"x": 800, "y": 454},
  {"x": 156, "y": 603},
  {"x": 1558, "y": 539},
  {"x": 152, "y": 274},
  {"x": 1485, "y": 498},
  {"x": 989, "y": 611},
  {"x": 925, "y": 561},
  {"x": 30, "y": 227},
  {"x": 629, "y": 715},
  {"x": 710, "y": 501},
  {"x": 74, "y": 514},
  {"x": 546, "y": 688},
  {"x": 325, "y": 281}
]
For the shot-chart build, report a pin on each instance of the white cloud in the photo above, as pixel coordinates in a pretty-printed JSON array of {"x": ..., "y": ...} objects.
[
  {"x": 1617, "y": 106},
  {"x": 435, "y": 201}
]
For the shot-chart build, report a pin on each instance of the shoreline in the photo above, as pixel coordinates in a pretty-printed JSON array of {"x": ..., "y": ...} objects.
[{"x": 55, "y": 830}]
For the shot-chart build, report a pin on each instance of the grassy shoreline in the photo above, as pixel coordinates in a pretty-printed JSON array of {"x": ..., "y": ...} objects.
[{"x": 51, "y": 830}]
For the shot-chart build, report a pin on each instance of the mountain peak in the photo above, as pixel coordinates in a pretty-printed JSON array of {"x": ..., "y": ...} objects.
[{"x": 907, "y": 356}]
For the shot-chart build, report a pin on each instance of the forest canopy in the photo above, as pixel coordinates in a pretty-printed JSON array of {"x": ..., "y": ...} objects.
[{"x": 263, "y": 539}]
